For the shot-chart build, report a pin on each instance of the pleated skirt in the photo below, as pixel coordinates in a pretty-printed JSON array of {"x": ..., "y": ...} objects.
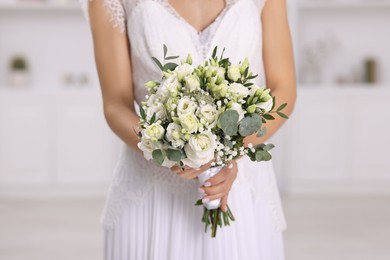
[{"x": 167, "y": 225}]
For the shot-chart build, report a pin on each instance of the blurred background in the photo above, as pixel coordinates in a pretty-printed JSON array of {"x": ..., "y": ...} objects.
[{"x": 57, "y": 153}]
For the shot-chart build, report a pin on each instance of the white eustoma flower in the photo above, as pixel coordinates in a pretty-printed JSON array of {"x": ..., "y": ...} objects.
[
  {"x": 241, "y": 112},
  {"x": 155, "y": 99},
  {"x": 267, "y": 105},
  {"x": 158, "y": 109},
  {"x": 183, "y": 70},
  {"x": 171, "y": 104},
  {"x": 189, "y": 123},
  {"x": 185, "y": 106},
  {"x": 209, "y": 114},
  {"x": 154, "y": 132},
  {"x": 238, "y": 90},
  {"x": 174, "y": 135},
  {"x": 169, "y": 87},
  {"x": 234, "y": 72},
  {"x": 192, "y": 83},
  {"x": 199, "y": 149}
]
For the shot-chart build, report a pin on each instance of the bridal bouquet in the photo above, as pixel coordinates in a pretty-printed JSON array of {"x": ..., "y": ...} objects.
[{"x": 197, "y": 114}]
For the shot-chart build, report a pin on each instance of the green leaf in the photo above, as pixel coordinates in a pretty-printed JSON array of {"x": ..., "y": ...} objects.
[
  {"x": 158, "y": 63},
  {"x": 252, "y": 77},
  {"x": 171, "y": 57},
  {"x": 142, "y": 112},
  {"x": 263, "y": 156},
  {"x": 165, "y": 50},
  {"x": 273, "y": 103},
  {"x": 174, "y": 155},
  {"x": 153, "y": 118},
  {"x": 246, "y": 72},
  {"x": 261, "y": 132},
  {"x": 280, "y": 108},
  {"x": 169, "y": 66},
  {"x": 282, "y": 115},
  {"x": 214, "y": 52},
  {"x": 158, "y": 156},
  {"x": 268, "y": 147},
  {"x": 249, "y": 125},
  {"x": 248, "y": 84},
  {"x": 199, "y": 202},
  {"x": 229, "y": 122},
  {"x": 268, "y": 117}
]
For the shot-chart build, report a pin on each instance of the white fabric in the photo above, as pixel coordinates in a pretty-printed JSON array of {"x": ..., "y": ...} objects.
[{"x": 149, "y": 212}]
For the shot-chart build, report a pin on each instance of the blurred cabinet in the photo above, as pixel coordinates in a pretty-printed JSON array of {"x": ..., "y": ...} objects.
[
  {"x": 24, "y": 143},
  {"x": 59, "y": 137},
  {"x": 339, "y": 140}
]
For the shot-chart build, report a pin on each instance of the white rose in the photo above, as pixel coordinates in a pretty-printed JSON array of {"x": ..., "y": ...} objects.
[
  {"x": 147, "y": 146},
  {"x": 199, "y": 149},
  {"x": 154, "y": 132},
  {"x": 238, "y": 90},
  {"x": 189, "y": 122},
  {"x": 234, "y": 72},
  {"x": 158, "y": 109},
  {"x": 185, "y": 106},
  {"x": 192, "y": 83},
  {"x": 174, "y": 135},
  {"x": 209, "y": 114},
  {"x": 241, "y": 112},
  {"x": 170, "y": 87},
  {"x": 183, "y": 70}
]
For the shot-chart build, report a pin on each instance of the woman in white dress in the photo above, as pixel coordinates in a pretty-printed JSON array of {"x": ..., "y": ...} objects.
[{"x": 149, "y": 212}]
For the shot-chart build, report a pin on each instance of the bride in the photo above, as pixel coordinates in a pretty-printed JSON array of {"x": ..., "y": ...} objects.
[{"x": 149, "y": 212}]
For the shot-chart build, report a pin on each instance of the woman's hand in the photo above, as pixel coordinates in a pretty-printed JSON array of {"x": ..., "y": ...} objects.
[
  {"x": 190, "y": 173},
  {"x": 219, "y": 185}
]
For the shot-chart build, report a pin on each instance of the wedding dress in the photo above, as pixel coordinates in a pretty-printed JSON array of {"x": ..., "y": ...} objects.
[{"x": 149, "y": 212}]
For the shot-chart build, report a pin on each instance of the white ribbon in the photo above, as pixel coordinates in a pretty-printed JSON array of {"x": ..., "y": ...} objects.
[{"x": 207, "y": 174}]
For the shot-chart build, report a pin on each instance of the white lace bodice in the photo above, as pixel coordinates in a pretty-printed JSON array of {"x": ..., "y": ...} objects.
[{"x": 151, "y": 23}]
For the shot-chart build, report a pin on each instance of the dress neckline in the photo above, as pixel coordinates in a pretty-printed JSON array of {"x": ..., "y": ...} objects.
[{"x": 220, "y": 16}]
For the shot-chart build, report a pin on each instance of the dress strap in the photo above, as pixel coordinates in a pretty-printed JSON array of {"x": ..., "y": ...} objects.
[{"x": 115, "y": 9}]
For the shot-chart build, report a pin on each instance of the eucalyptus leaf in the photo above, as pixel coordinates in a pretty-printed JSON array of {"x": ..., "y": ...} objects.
[
  {"x": 261, "y": 132},
  {"x": 263, "y": 156},
  {"x": 158, "y": 156},
  {"x": 171, "y": 57},
  {"x": 174, "y": 155},
  {"x": 165, "y": 50},
  {"x": 268, "y": 147},
  {"x": 249, "y": 125},
  {"x": 158, "y": 63},
  {"x": 229, "y": 122},
  {"x": 169, "y": 66}
]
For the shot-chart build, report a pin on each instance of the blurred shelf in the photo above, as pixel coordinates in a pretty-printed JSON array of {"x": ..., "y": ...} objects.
[
  {"x": 349, "y": 89},
  {"x": 331, "y": 5},
  {"x": 38, "y": 7}
]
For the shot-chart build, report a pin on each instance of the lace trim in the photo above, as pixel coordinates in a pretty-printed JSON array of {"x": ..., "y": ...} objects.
[{"x": 115, "y": 10}]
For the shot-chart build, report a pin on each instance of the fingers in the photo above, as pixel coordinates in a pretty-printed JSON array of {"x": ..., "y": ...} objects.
[
  {"x": 224, "y": 202},
  {"x": 190, "y": 173}
]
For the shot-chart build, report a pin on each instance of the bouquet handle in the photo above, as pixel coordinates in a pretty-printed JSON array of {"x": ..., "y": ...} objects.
[{"x": 207, "y": 174}]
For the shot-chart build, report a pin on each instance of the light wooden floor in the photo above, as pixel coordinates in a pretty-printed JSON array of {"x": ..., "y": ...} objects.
[{"x": 332, "y": 228}]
